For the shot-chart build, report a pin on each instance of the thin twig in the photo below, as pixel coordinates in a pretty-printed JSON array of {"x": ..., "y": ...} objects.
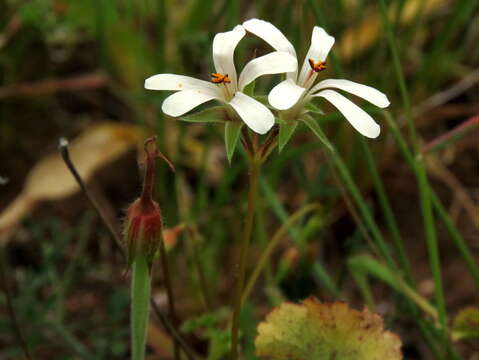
[
  {"x": 448, "y": 94},
  {"x": 11, "y": 310},
  {"x": 64, "y": 152},
  {"x": 87, "y": 81}
]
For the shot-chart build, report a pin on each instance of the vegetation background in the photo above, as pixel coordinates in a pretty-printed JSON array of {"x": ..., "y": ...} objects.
[{"x": 70, "y": 67}]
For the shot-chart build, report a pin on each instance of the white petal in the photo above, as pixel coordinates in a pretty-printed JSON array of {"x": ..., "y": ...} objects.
[
  {"x": 321, "y": 44},
  {"x": 273, "y": 63},
  {"x": 359, "y": 119},
  {"x": 368, "y": 93},
  {"x": 183, "y": 101},
  {"x": 176, "y": 82},
  {"x": 285, "y": 95},
  {"x": 272, "y": 35},
  {"x": 224, "y": 45},
  {"x": 253, "y": 113}
]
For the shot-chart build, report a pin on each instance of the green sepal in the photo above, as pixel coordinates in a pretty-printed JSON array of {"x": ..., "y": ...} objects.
[
  {"x": 316, "y": 129},
  {"x": 249, "y": 89},
  {"x": 311, "y": 108},
  {"x": 286, "y": 131},
  {"x": 213, "y": 114},
  {"x": 232, "y": 133}
]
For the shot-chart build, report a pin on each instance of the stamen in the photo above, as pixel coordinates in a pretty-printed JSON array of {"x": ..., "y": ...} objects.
[
  {"x": 317, "y": 66},
  {"x": 220, "y": 78}
]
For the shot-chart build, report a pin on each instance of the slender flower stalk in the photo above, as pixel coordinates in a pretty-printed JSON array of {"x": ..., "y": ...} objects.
[
  {"x": 254, "y": 172},
  {"x": 257, "y": 155}
]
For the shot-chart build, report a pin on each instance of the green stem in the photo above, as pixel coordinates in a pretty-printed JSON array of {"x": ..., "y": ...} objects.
[
  {"x": 457, "y": 238},
  {"x": 421, "y": 177},
  {"x": 140, "y": 297},
  {"x": 450, "y": 227},
  {"x": 254, "y": 171},
  {"x": 387, "y": 211},
  {"x": 358, "y": 199}
]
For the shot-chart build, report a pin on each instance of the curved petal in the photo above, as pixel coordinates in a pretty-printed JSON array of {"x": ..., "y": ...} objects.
[
  {"x": 368, "y": 93},
  {"x": 273, "y": 63},
  {"x": 285, "y": 95},
  {"x": 224, "y": 45},
  {"x": 273, "y": 36},
  {"x": 176, "y": 82},
  {"x": 181, "y": 102},
  {"x": 253, "y": 113},
  {"x": 357, "y": 117},
  {"x": 321, "y": 44}
]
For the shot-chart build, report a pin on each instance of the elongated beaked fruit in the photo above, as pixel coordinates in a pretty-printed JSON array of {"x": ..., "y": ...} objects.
[{"x": 143, "y": 225}]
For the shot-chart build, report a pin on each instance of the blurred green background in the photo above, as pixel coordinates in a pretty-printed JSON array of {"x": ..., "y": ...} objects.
[{"x": 67, "y": 66}]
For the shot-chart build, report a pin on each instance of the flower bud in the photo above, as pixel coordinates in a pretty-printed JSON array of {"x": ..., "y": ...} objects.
[
  {"x": 143, "y": 225},
  {"x": 143, "y": 230}
]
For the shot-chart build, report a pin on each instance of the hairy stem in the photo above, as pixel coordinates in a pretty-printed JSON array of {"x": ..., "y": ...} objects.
[{"x": 254, "y": 171}]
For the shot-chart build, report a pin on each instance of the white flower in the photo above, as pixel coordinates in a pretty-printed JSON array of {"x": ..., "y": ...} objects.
[
  {"x": 294, "y": 92},
  {"x": 224, "y": 85}
]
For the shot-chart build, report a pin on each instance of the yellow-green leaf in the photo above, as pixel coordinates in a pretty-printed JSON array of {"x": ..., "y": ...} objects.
[
  {"x": 466, "y": 324},
  {"x": 317, "y": 331}
]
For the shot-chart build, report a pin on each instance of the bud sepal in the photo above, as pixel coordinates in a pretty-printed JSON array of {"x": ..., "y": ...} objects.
[{"x": 143, "y": 231}]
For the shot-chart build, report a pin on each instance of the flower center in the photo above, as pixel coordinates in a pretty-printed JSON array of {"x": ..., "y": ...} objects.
[
  {"x": 317, "y": 66},
  {"x": 218, "y": 78}
]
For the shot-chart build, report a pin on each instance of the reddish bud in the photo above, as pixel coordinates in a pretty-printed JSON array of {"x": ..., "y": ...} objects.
[{"x": 143, "y": 226}]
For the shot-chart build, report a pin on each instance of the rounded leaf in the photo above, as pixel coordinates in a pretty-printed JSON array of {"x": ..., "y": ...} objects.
[{"x": 324, "y": 331}]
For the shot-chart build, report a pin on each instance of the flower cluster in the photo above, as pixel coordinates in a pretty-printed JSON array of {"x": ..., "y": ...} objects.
[{"x": 287, "y": 99}]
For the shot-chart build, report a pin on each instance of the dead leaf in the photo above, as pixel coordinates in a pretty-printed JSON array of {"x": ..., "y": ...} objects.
[
  {"x": 51, "y": 180},
  {"x": 453, "y": 135},
  {"x": 317, "y": 331}
]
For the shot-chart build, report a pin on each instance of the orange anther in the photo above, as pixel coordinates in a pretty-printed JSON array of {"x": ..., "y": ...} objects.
[
  {"x": 317, "y": 66},
  {"x": 220, "y": 78}
]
